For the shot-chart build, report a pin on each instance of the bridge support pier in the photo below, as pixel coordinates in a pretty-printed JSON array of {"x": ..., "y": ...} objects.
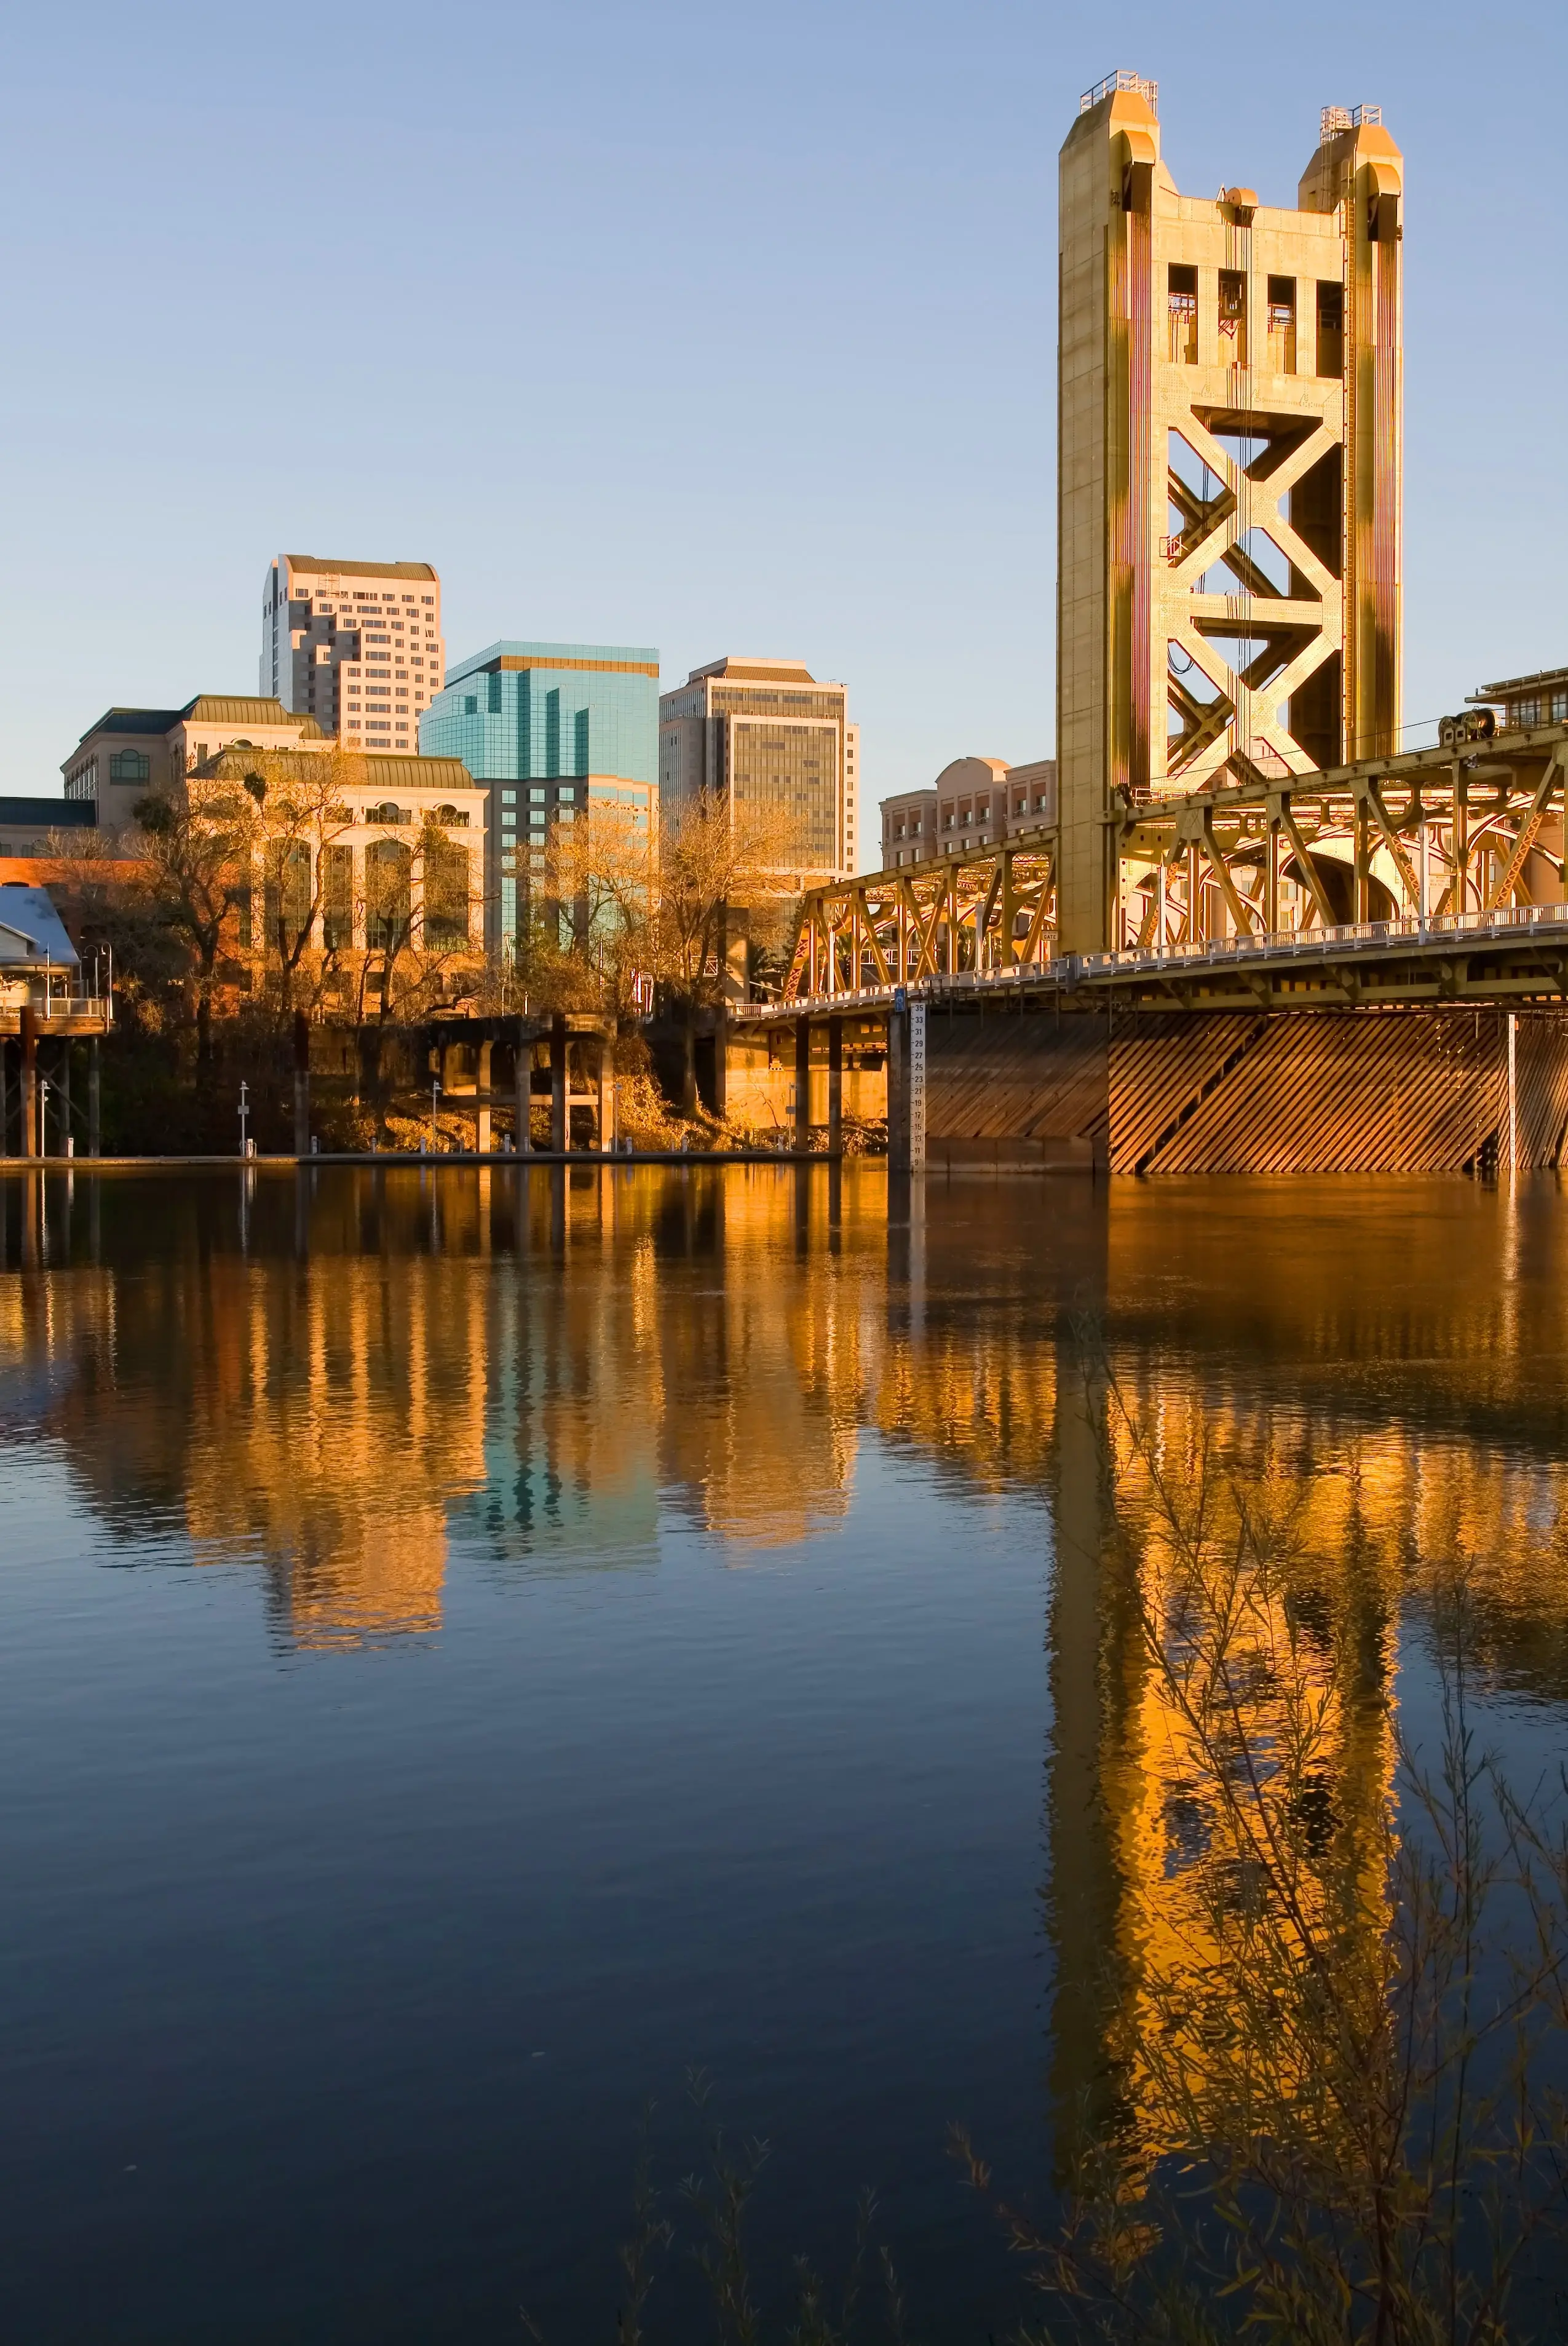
[
  {"x": 606, "y": 1095},
  {"x": 560, "y": 1125},
  {"x": 481, "y": 1101},
  {"x": 835, "y": 1086},
  {"x": 29, "y": 1080},
  {"x": 523, "y": 1085},
  {"x": 95, "y": 1119},
  {"x": 802, "y": 1082}
]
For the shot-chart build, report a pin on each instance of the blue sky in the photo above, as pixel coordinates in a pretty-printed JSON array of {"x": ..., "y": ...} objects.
[{"x": 716, "y": 328}]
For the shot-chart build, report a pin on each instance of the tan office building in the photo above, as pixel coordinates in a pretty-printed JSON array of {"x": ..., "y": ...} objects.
[
  {"x": 768, "y": 732},
  {"x": 355, "y": 645}
]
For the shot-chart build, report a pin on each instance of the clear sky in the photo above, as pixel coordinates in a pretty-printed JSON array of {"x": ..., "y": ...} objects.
[{"x": 720, "y": 327}]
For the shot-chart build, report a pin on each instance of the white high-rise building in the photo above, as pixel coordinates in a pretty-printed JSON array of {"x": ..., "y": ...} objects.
[{"x": 355, "y": 645}]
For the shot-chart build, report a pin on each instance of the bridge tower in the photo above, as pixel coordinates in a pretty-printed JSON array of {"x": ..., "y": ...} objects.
[{"x": 1229, "y": 462}]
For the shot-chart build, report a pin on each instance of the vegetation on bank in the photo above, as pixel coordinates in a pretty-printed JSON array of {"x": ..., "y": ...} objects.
[{"x": 234, "y": 907}]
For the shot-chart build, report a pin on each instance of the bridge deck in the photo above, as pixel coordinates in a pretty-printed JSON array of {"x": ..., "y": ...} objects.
[{"x": 1523, "y": 949}]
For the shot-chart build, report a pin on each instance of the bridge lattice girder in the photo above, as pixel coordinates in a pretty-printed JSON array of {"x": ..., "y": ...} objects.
[{"x": 1269, "y": 858}]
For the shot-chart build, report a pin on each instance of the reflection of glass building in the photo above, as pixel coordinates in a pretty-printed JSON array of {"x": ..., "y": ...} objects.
[{"x": 551, "y": 728}]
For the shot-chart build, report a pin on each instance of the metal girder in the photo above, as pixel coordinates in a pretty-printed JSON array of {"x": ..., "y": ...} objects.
[{"x": 1528, "y": 830}]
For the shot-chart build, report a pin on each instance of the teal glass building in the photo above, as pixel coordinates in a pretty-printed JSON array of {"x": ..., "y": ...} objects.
[{"x": 547, "y": 727}]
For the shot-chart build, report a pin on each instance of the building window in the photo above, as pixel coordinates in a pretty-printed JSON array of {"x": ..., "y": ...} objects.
[
  {"x": 338, "y": 898},
  {"x": 130, "y": 766}
]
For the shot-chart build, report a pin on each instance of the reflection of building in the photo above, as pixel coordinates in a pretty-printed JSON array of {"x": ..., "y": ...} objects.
[
  {"x": 767, "y": 733},
  {"x": 553, "y": 730},
  {"x": 356, "y": 645}
]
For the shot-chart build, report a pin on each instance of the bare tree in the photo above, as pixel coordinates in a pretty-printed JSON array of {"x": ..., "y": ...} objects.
[
  {"x": 196, "y": 847},
  {"x": 304, "y": 809},
  {"x": 716, "y": 856}
]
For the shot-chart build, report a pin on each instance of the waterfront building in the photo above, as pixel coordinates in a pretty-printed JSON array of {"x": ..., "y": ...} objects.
[
  {"x": 552, "y": 729},
  {"x": 768, "y": 732},
  {"x": 1527, "y": 700},
  {"x": 355, "y": 645},
  {"x": 131, "y": 751},
  {"x": 392, "y": 858},
  {"x": 973, "y": 802},
  {"x": 27, "y": 825}
]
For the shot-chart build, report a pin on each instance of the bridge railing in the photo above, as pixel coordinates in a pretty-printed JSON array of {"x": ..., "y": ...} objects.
[{"x": 1069, "y": 969}]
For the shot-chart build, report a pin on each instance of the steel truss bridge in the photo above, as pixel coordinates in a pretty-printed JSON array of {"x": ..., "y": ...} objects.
[{"x": 1435, "y": 876}]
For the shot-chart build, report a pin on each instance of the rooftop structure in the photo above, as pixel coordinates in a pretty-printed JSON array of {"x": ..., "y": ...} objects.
[
  {"x": 31, "y": 934},
  {"x": 26, "y": 824},
  {"x": 132, "y": 751},
  {"x": 1538, "y": 699},
  {"x": 355, "y": 645}
]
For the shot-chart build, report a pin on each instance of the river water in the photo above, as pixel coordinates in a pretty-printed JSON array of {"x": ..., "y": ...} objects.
[{"x": 477, "y": 1647}]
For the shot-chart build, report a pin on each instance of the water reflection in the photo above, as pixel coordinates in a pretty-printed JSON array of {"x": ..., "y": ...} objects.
[{"x": 333, "y": 1377}]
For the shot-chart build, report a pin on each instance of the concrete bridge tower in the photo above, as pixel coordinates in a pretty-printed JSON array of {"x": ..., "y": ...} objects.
[{"x": 1229, "y": 473}]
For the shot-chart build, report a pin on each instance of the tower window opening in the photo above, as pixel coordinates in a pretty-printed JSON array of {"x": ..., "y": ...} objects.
[
  {"x": 1232, "y": 317},
  {"x": 1282, "y": 324},
  {"x": 1183, "y": 300},
  {"x": 1330, "y": 328}
]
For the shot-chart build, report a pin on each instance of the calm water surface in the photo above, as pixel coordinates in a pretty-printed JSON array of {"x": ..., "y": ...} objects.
[{"x": 474, "y": 1647}]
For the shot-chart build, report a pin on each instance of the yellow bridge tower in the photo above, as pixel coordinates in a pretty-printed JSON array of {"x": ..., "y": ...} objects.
[{"x": 1230, "y": 468}]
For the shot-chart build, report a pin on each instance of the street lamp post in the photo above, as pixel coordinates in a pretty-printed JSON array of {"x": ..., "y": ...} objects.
[
  {"x": 244, "y": 1112},
  {"x": 434, "y": 1095}
]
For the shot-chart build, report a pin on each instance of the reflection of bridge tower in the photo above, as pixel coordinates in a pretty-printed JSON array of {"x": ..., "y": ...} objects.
[{"x": 1230, "y": 477}]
